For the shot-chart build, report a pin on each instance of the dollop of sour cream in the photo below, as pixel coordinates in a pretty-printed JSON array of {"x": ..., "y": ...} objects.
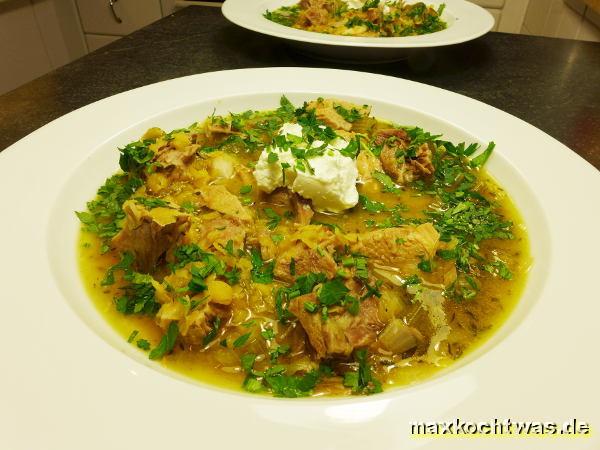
[
  {"x": 358, "y": 4},
  {"x": 331, "y": 184},
  {"x": 355, "y": 4}
]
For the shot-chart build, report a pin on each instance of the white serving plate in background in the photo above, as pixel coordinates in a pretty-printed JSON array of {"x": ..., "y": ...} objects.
[
  {"x": 466, "y": 21},
  {"x": 69, "y": 382}
]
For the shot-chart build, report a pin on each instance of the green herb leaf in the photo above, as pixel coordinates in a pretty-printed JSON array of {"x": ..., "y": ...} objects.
[
  {"x": 362, "y": 381},
  {"x": 482, "y": 158},
  {"x": 151, "y": 202},
  {"x": 332, "y": 292},
  {"x": 261, "y": 272},
  {"x": 167, "y": 343},
  {"x": 273, "y": 217},
  {"x": 212, "y": 334},
  {"x": 143, "y": 344},
  {"x": 241, "y": 340},
  {"x": 371, "y": 206},
  {"x": 246, "y": 189},
  {"x": 387, "y": 183},
  {"x": 132, "y": 336}
]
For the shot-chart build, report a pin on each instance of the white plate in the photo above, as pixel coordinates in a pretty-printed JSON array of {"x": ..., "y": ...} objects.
[
  {"x": 69, "y": 382},
  {"x": 466, "y": 21}
]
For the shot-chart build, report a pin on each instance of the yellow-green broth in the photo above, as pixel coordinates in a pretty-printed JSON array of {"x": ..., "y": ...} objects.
[{"x": 472, "y": 321}]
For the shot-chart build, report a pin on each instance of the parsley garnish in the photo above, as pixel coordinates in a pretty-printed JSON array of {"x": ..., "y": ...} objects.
[
  {"x": 273, "y": 217},
  {"x": 167, "y": 342},
  {"x": 261, "y": 272},
  {"x": 246, "y": 189},
  {"x": 387, "y": 183},
  {"x": 151, "y": 202},
  {"x": 371, "y": 206},
  {"x": 136, "y": 156},
  {"x": 212, "y": 334},
  {"x": 362, "y": 381},
  {"x": 105, "y": 213},
  {"x": 241, "y": 340},
  {"x": 332, "y": 292},
  {"x": 139, "y": 296}
]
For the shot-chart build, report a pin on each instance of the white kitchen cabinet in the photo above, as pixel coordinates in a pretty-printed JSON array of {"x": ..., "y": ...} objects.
[
  {"x": 98, "y": 17},
  {"x": 37, "y": 36},
  {"x": 95, "y": 41}
]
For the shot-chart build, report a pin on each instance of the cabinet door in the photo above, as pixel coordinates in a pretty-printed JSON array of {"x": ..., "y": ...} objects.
[
  {"x": 22, "y": 50},
  {"x": 496, "y": 4},
  {"x": 96, "y": 41},
  {"x": 97, "y": 16}
]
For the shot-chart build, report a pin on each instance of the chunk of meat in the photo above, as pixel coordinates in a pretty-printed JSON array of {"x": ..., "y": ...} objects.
[
  {"x": 175, "y": 157},
  {"x": 314, "y": 12},
  {"x": 218, "y": 198},
  {"x": 303, "y": 209},
  {"x": 194, "y": 325},
  {"x": 400, "y": 247},
  {"x": 396, "y": 169},
  {"x": 342, "y": 332},
  {"x": 219, "y": 129},
  {"x": 285, "y": 198},
  {"x": 374, "y": 15},
  {"x": 268, "y": 249},
  {"x": 149, "y": 234},
  {"x": 306, "y": 260},
  {"x": 384, "y": 135},
  {"x": 326, "y": 113},
  {"x": 406, "y": 169},
  {"x": 422, "y": 163},
  {"x": 367, "y": 163},
  {"x": 279, "y": 197},
  {"x": 403, "y": 169},
  {"x": 216, "y": 233}
]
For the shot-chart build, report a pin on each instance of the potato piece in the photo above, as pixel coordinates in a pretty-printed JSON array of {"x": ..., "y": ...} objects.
[
  {"x": 180, "y": 141},
  {"x": 222, "y": 165},
  {"x": 156, "y": 182},
  {"x": 153, "y": 133},
  {"x": 219, "y": 292}
]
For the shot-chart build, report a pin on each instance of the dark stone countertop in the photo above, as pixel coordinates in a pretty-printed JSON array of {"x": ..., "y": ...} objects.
[{"x": 553, "y": 84}]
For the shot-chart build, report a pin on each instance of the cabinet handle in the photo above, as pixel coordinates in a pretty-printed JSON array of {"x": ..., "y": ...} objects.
[{"x": 111, "y": 3}]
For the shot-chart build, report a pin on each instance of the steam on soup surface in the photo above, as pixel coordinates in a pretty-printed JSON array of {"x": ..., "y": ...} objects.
[{"x": 303, "y": 251}]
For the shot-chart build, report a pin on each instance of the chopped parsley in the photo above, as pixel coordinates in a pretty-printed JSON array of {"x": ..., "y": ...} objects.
[
  {"x": 104, "y": 214},
  {"x": 332, "y": 292},
  {"x": 262, "y": 272},
  {"x": 167, "y": 342},
  {"x": 151, "y": 202},
  {"x": 387, "y": 183},
  {"x": 138, "y": 296},
  {"x": 273, "y": 217},
  {"x": 246, "y": 189},
  {"x": 241, "y": 340},
  {"x": 136, "y": 156},
  {"x": 212, "y": 334},
  {"x": 371, "y": 206},
  {"x": 362, "y": 381}
]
